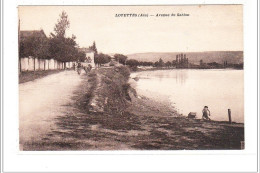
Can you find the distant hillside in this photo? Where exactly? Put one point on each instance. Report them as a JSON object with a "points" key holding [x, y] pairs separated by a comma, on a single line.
{"points": [[194, 57]]}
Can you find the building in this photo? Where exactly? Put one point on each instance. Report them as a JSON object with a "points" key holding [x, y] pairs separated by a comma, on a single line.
{"points": [[35, 33], [28, 41], [89, 59]]}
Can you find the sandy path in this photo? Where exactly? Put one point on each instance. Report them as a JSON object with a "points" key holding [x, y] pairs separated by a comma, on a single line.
{"points": [[41, 101]]}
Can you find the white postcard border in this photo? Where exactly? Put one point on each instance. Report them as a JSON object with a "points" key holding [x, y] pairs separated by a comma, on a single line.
{"points": [[70, 161]]}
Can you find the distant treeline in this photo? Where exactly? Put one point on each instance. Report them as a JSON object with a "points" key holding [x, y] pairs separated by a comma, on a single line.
{"points": [[233, 57], [173, 64]]}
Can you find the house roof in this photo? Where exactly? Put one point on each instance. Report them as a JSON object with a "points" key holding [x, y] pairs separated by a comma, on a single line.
{"points": [[37, 33], [86, 50]]}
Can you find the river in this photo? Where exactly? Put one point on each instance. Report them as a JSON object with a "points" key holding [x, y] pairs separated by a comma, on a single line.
{"points": [[189, 90]]}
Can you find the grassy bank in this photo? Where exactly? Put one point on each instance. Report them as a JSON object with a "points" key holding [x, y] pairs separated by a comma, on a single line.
{"points": [[108, 115], [27, 76]]}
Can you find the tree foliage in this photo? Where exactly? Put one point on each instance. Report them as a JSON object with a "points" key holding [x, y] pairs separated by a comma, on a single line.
{"points": [[34, 45], [101, 59], [62, 25], [63, 48], [81, 56], [159, 63], [168, 64], [57, 46], [121, 58], [132, 62], [145, 63], [93, 47]]}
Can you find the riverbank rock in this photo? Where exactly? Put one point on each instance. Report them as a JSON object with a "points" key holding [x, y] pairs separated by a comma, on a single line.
{"points": [[192, 115]]}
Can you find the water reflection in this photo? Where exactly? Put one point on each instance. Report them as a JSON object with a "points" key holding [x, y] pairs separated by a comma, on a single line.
{"points": [[181, 76]]}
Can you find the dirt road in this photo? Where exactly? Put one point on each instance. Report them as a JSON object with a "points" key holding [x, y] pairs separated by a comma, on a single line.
{"points": [[43, 100]]}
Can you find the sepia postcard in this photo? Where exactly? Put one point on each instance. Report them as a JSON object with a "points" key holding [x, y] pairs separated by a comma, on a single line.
{"points": [[131, 78], [129, 86]]}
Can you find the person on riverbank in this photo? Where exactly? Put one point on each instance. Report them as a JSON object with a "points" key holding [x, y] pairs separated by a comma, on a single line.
{"points": [[205, 113]]}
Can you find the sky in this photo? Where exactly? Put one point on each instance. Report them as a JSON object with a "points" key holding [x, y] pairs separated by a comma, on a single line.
{"points": [[207, 28]]}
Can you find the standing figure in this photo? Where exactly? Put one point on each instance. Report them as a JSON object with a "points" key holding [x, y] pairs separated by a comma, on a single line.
{"points": [[79, 68], [205, 113], [74, 66]]}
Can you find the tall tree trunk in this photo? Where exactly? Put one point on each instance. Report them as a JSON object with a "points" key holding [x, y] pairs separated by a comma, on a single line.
{"points": [[20, 65], [28, 63], [39, 64], [33, 64]]}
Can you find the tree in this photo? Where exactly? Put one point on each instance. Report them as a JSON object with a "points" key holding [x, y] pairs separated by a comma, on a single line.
{"points": [[102, 59], [168, 64], [62, 25], [161, 63], [96, 57], [81, 56], [120, 58], [34, 45], [174, 63], [145, 63], [156, 64], [93, 47], [132, 62], [63, 48]]}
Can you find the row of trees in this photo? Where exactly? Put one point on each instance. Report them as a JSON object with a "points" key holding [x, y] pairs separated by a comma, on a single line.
{"points": [[100, 58], [56, 46], [133, 63], [65, 49], [35, 46], [122, 59], [160, 63], [168, 64]]}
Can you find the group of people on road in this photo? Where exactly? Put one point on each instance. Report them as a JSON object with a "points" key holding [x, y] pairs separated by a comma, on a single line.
{"points": [[78, 67]]}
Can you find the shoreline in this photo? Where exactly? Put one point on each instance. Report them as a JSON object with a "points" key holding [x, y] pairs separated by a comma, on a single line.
{"points": [[167, 102], [143, 76]]}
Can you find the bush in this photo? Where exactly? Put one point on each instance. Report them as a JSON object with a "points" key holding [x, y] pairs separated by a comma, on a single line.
{"points": [[111, 64], [134, 68], [123, 71]]}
